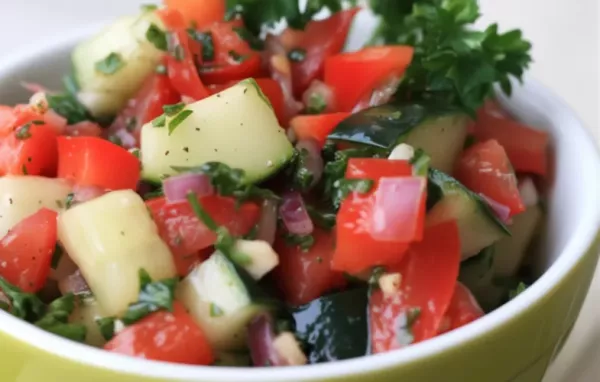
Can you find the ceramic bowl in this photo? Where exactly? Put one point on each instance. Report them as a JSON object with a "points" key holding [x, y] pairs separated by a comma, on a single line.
{"points": [[516, 342]]}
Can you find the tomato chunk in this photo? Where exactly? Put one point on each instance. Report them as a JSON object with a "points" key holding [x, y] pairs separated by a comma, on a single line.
{"points": [[527, 148], [485, 168], [366, 68], [270, 88], [356, 248], [303, 276], [414, 313], [29, 149], [144, 107], [317, 127], [320, 39], [165, 336], [199, 13], [186, 235], [92, 161], [463, 309], [26, 251]]}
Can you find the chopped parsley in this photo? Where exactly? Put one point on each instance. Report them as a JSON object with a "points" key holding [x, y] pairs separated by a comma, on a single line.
{"points": [[302, 177], [236, 57], [159, 121], [305, 242], [324, 219], [69, 200], [178, 119], [207, 42], [254, 42], [110, 64], [157, 37], [68, 106], [23, 132], [56, 319], [420, 163], [343, 187], [517, 291], [172, 110], [316, 104], [215, 311], [154, 296], [26, 306], [106, 326], [405, 323], [297, 55]]}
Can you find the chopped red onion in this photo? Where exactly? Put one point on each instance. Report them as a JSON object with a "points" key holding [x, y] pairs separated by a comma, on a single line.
{"points": [[321, 92], [55, 120], [65, 267], [177, 187], [267, 225], [34, 87], [381, 94], [261, 335], [501, 211], [127, 139], [74, 283], [294, 214], [83, 194], [313, 161], [84, 129]]}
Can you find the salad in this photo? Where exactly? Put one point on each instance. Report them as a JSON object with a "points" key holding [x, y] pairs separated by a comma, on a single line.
{"points": [[223, 183]]}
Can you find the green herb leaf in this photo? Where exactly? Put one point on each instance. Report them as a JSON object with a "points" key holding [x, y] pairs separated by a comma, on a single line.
{"points": [[57, 317], [343, 187], [178, 119], [324, 219], [56, 256], [236, 57], [254, 42], [201, 213], [69, 200], [405, 322], [149, 7], [420, 162], [106, 325], [23, 132], [26, 306], [207, 42], [154, 296], [159, 121], [110, 64], [172, 110], [157, 37], [215, 311], [305, 242], [517, 291], [302, 177], [316, 104], [69, 107]]}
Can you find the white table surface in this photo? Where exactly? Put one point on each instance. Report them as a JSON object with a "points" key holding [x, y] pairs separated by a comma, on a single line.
{"points": [[565, 38]]}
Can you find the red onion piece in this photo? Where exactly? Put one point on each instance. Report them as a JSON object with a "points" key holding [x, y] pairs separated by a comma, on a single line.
{"points": [[321, 91], [177, 187], [380, 95], [55, 120], [501, 211], [34, 87], [83, 194], [313, 161], [74, 283], [267, 225], [398, 204], [127, 139], [294, 214], [65, 267], [261, 335], [84, 129]]}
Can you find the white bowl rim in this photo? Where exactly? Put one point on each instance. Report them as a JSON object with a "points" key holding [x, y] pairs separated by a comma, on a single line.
{"points": [[584, 237]]}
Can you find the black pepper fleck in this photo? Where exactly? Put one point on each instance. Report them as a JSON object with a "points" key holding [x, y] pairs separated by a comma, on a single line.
{"points": [[197, 129], [186, 149], [245, 90], [122, 233], [10, 200], [166, 152]]}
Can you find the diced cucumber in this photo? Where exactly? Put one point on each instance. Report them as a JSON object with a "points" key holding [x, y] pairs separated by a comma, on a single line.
{"points": [[335, 326], [106, 94], [439, 131], [259, 257], [478, 225], [22, 196], [223, 299], [510, 251], [86, 312], [477, 274], [111, 238], [237, 127]]}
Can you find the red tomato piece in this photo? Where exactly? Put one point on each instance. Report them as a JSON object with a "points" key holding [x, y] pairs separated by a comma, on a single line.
{"points": [[92, 161], [199, 13], [463, 310], [234, 59], [145, 106], [319, 40], [165, 336], [485, 168], [186, 235], [415, 312], [29, 149], [303, 276], [317, 127], [181, 64], [527, 148], [270, 88], [356, 249], [366, 68], [26, 251]]}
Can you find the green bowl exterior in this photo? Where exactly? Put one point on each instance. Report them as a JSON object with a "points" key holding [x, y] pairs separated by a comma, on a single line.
{"points": [[519, 350]]}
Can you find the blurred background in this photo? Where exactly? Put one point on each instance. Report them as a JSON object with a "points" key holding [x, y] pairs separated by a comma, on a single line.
{"points": [[566, 53]]}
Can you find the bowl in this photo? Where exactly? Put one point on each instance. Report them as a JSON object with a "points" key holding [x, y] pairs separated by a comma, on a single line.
{"points": [[516, 342]]}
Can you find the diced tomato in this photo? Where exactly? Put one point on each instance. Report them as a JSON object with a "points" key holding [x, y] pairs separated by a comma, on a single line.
{"points": [[366, 68], [429, 274], [186, 235], [319, 40], [26, 251], [29, 149], [181, 60], [527, 148], [356, 248], [234, 59], [92, 161], [199, 13], [145, 106], [485, 168], [165, 336], [317, 127], [303, 276], [463, 309], [6, 118], [272, 91]]}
